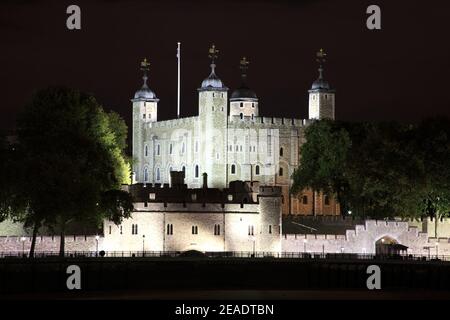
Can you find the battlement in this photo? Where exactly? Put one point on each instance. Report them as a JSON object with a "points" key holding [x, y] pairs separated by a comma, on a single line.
{"points": [[269, 191], [173, 123], [252, 208], [270, 121]]}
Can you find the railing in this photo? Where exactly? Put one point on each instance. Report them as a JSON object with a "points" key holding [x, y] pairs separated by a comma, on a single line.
{"points": [[224, 254]]}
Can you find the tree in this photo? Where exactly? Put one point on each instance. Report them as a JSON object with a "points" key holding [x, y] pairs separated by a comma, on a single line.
{"points": [[323, 160], [73, 158], [378, 169]]}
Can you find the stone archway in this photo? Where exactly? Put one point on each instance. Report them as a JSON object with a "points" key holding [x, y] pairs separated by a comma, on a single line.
{"points": [[387, 245]]}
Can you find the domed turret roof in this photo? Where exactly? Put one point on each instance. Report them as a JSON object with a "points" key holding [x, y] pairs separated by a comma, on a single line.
{"points": [[145, 93], [212, 81], [320, 83], [243, 92]]}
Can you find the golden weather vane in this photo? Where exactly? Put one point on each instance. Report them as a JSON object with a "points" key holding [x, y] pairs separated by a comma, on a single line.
{"points": [[145, 65], [213, 52], [244, 64], [320, 56]]}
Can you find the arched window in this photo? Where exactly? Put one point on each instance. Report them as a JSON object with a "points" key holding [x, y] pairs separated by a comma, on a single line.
{"points": [[281, 151], [145, 175], [257, 170], [326, 200], [158, 149], [184, 170], [146, 151], [241, 115], [305, 199], [242, 104], [233, 169], [280, 172], [196, 171], [158, 174]]}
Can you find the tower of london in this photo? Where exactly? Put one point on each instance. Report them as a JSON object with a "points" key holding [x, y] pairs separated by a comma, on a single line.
{"points": [[229, 140]]}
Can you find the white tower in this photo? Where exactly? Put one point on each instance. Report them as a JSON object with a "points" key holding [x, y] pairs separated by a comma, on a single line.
{"points": [[145, 109], [243, 101], [321, 96], [213, 97]]}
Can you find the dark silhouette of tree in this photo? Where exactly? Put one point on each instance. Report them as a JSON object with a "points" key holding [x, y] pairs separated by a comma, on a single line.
{"points": [[73, 161]]}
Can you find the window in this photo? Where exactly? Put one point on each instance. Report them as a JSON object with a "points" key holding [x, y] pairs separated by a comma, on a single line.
{"points": [[170, 148], [305, 199], [233, 169], [184, 170], [196, 146], [120, 229], [170, 229], [241, 115], [254, 149], [270, 228], [253, 105], [281, 152], [145, 174], [253, 116], [134, 229], [183, 148], [146, 151], [158, 149], [231, 147], [257, 170], [194, 229], [212, 108], [143, 116], [109, 229], [240, 148], [237, 148], [196, 171], [217, 229], [326, 200], [280, 172], [242, 105], [251, 230], [158, 174]]}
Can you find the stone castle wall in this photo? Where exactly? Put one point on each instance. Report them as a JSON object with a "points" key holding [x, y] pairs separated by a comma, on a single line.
{"points": [[362, 239]]}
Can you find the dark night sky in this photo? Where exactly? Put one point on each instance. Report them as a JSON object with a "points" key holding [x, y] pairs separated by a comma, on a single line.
{"points": [[398, 73]]}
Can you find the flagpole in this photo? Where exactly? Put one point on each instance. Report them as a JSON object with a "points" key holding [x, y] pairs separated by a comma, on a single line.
{"points": [[178, 88]]}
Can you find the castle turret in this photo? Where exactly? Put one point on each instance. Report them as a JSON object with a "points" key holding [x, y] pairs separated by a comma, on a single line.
{"points": [[270, 203], [321, 96], [243, 101], [213, 119], [145, 108]]}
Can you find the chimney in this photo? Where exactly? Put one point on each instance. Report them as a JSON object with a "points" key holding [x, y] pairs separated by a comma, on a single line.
{"points": [[205, 180], [177, 179]]}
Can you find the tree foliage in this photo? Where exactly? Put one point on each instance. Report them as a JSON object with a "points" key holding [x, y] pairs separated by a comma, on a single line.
{"points": [[73, 155], [379, 169]]}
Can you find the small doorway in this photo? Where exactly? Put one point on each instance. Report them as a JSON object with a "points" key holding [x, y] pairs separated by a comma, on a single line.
{"points": [[388, 246]]}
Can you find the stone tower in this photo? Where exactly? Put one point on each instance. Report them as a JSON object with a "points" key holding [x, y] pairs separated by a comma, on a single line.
{"points": [[269, 235], [213, 97], [321, 96], [243, 101], [145, 110]]}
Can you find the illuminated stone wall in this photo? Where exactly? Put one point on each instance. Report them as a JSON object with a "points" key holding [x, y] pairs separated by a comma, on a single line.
{"points": [[363, 238]]}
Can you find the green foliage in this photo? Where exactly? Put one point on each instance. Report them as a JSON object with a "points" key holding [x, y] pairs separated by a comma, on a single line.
{"points": [[72, 156], [379, 170]]}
